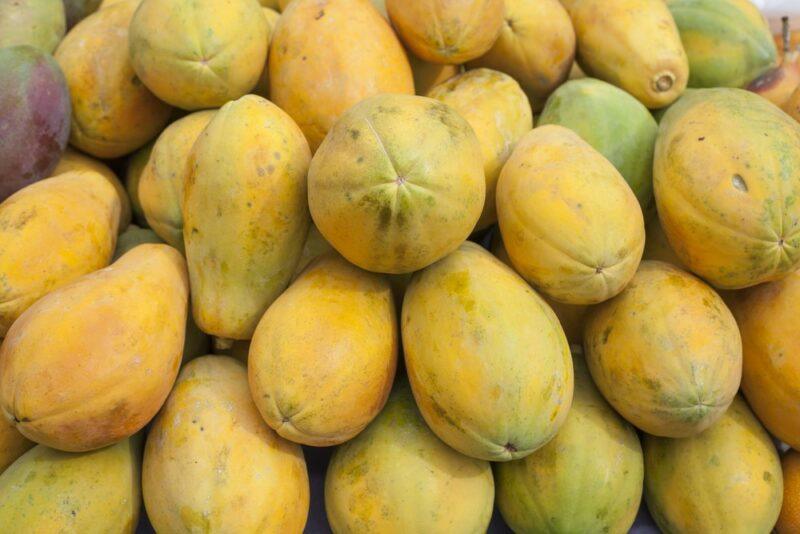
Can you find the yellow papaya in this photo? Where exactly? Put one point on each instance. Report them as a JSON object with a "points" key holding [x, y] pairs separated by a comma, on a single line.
{"points": [[92, 362], [789, 518], [12, 444], [212, 465]]}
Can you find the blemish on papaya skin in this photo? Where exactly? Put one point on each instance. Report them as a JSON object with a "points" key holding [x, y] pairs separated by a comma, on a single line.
{"points": [[739, 183], [767, 476], [320, 14]]}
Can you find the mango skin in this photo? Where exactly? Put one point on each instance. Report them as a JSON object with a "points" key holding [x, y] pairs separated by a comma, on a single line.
{"points": [[666, 353], [51, 233], [47, 490], [499, 113], [245, 214], [113, 113], [34, 114], [463, 342], [12, 444], [126, 371], [211, 464], [319, 66], [614, 123], [536, 47], [397, 476], [161, 182], [588, 478], [726, 479], [570, 223], [37, 23], [726, 185], [728, 42], [197, 55], [633, 44], [323, 357], [133, 173], [398, 183]]}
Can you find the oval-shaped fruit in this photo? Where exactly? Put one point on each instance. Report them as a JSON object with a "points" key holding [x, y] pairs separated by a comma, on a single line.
{"points": [[725, 479], [12, 443], [245, 214], [133, 173], [37, 23], [34, 117], [588, 478], [499, 113], [536, 47], [614, 123], [633, 44], [133, 236], [211, 463], [570, 223], [327, 56], [398, 183], [126, 323], [323, 357], [397, 476], [47, 490], [51, 233], [789, 518], [161, 182], [727, 184], [428, 75], [489, 364], [197, 55], [447, 31], [728, 42], [665, 353]]}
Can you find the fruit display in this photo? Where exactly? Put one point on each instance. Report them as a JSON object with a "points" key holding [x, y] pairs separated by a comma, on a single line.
{"points": [[399, 266]]}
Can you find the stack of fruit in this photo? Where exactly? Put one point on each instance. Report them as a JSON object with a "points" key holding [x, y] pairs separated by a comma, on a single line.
{"points": [[338, 227]]}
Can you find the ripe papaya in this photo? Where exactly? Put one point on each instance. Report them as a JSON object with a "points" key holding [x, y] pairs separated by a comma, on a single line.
{"points": [[792, 105], [92, 362], [12, 444], [725, 479], [789, 518]]}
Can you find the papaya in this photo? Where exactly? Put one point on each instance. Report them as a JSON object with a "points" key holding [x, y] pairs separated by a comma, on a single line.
{"points": [[398, 183], [113, 113], [666, 352], [656, 245], [447, 31], [161, 182], [499, 113], [37, 23], [314, 246], [12, 444], [768, 321], [133, 173], [588, 478], [51, 233], [126, 323], [489, 364], [614, 123], [728, 42], [789, 518], [792, 105], [133, 236], [397, 476], [633, 44], [725, 479], [245, 214], [536, 47], [570, 223], [262, 86], [212, 465], [428, 75], [323, 357], [327, 56], [726, 187]]}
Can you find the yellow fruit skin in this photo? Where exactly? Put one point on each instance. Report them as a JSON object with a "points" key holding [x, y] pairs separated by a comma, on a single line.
{"points": [[536, 47], [726, 479], [161, 183], [212, 465], [328, 55], [12, 444], [245, 214], [428, 75], [113, 113], [665, 353], [127, 324], [47, 490], [725, 180], [51, 233], [792, 105], [450, 32], [197, 55], [323, 357], [489, 364], [570, 223], [499, 112], [633, 44], [789, 518], [397, 184], [398, 477], [769, 324], [588, 478]]}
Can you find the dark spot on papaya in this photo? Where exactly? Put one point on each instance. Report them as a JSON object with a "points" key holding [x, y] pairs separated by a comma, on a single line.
{"points": [[360, 159], [195, 231], [739, 183], [72, 512], [194, 421], [510, 447], [260, 171], [320, 14], [270, 169], [354, 134], [701, 138], [249, 204], [285, 419], [767, 476], [202, 429], [510, 24], [599, 270], [606, 333], [303, 58], [654, 385], [277, 155], [385, 217]]}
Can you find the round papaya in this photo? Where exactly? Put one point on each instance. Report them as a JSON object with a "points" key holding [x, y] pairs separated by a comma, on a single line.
{"points": [[789, 518]]}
